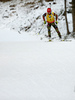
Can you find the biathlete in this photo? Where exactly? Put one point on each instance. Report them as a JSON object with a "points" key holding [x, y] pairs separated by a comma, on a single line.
{"points": [[51, 21]]}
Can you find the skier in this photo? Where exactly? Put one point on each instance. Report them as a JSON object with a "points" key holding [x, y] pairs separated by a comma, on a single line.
{"points": [[51, 21]]}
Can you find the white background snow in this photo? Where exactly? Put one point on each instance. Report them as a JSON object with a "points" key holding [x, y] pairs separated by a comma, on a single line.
{"points": [[31, 68]]}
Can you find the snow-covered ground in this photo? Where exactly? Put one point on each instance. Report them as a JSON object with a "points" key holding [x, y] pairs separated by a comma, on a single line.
{"points": [[30, 68], [37, 70], [20, 17]]}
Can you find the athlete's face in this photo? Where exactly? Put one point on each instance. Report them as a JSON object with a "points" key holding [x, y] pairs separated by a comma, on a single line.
{"points": [[49, 13]]}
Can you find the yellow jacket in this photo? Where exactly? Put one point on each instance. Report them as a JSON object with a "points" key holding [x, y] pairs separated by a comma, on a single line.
{"points": [[50, 18]]}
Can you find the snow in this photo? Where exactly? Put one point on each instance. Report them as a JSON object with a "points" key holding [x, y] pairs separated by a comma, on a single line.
{"points": [[37, 70], [8, 35], [31, 68]]}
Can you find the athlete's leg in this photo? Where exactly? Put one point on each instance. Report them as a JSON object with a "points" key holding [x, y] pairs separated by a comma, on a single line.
{"points": [[49, 29], [57, 30]]}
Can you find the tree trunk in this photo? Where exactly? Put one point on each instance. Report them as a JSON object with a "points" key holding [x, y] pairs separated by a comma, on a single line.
{"points": [[5, 0], [73, 16], [49, 0], [66, 19], [41, 2]]}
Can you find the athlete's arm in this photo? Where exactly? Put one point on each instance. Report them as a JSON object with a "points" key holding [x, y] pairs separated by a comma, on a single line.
{"points": [[44, 16], [56, 16]]}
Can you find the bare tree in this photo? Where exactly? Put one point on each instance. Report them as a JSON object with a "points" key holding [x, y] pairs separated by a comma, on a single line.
{"points": [[5, 0], [73, 16], [41, 2], [66, 18], [48, 0]]}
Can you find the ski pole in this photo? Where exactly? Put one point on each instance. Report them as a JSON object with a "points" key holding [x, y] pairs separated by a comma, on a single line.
{"points": [[40, 29]]}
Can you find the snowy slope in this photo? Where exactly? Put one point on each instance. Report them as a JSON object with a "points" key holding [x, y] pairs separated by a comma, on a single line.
{"points": [[8, 35], [37, 70], [30, 68], [20, 17]]}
